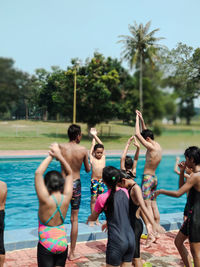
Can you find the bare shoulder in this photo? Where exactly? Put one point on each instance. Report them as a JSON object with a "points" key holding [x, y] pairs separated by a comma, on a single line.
{"points": [[3, 186]]}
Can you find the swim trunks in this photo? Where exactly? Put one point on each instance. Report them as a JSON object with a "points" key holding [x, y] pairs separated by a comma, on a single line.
{"points": [[121, 238], [76, 195], [149, 185], [191, 226], [2, 216], [97, 187]]}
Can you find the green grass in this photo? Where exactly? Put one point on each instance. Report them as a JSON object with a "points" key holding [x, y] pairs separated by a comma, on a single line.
{"points": [[33, 135]]}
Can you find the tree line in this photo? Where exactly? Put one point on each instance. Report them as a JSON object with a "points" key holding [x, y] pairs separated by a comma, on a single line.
{"points": [[164, 83]]}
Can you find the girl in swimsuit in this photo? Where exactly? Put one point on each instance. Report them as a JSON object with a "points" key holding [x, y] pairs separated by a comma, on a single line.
{"points": [[136, 205], [115, 204], [191, 226], [54, 194]]}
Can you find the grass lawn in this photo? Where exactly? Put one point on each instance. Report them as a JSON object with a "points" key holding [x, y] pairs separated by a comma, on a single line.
{"points": [[34, 135]]}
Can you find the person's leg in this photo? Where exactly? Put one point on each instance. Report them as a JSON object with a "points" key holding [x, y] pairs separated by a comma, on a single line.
{"points": [[195, 250], [92, 204], [155, 211], [137, 262], [73, 234], [108, 265], [44, 257], [2, 259], [179, 243], [126, 264]]}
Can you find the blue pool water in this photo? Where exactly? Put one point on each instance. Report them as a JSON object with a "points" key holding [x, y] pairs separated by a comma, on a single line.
{"points": [[22, 203]]}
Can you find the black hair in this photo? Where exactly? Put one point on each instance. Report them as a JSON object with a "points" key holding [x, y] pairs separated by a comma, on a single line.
{"points": [[124, 174], [193, 152], [128, 162], [54, 181], [147, 133], [98, 146], [74, 131], [111, 177]]}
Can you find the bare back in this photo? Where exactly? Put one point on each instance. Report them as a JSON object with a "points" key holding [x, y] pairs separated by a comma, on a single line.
{"points": [[75, 155], [3, 194], [153, 158]]}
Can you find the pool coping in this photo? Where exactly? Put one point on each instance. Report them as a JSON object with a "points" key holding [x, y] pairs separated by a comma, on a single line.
{"points": [[28, 238]]}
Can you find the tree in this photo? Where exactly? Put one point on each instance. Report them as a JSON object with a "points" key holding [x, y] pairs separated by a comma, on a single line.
{"points": [[182, 68], [138, 47]]}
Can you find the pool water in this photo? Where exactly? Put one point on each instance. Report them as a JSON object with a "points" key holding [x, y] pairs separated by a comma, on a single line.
{"points": [[22, 203]]}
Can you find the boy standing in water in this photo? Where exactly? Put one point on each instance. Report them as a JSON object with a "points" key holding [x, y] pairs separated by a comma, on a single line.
{"points": [[3, 195], [153, 158], [75, 155], [97, 160]]}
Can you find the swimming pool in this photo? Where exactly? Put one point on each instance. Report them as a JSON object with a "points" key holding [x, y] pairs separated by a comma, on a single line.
{"points": [[22, 203]]}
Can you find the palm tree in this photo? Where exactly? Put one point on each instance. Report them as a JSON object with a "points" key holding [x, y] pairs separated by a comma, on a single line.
{"points": [[138, 47]]}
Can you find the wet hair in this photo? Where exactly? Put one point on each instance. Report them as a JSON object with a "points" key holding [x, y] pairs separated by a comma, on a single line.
{"points": [[74, 131], [54, 181], [193, 152], [128, 162], [147, 133], [98, 146], [111, 177]]}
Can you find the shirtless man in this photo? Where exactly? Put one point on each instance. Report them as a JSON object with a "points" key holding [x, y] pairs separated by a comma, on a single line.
{"points": [[153, 158], [3, 194], [75, 155], [97, 160]]}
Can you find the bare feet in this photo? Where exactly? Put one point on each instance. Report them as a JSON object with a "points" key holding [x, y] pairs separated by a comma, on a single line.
{"points": [[150, 239], [73, 256]]}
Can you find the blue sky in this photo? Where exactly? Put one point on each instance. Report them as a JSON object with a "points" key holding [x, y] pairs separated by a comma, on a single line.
{"points": [[45, 33]]}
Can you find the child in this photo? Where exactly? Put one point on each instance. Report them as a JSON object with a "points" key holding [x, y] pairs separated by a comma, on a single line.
{"points": [[115, 204], [136, 204], [190, 227], [127, 163], [97, 160], [54, 194], [149, 180]]}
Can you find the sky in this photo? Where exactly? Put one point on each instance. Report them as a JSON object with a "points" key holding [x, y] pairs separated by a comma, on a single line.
{"points": [[45, 33]]}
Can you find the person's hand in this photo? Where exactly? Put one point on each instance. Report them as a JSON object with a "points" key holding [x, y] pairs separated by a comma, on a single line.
{"points": [[139, 114], [104, 227], [182, 166], [55, 151], [93, 131], [157, 193], [130, 140], [177, 159], [136, 142], [188, 170]]}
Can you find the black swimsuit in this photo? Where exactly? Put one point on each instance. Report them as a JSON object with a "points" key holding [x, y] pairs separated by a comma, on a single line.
{"points": [[191, 227], [2, 216], [136, 224], [121, 240]]}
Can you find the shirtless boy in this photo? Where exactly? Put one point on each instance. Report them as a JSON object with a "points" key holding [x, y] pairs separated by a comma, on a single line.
{"points": [[75, 155], [97, 160], [3, 194], [153, 158]]}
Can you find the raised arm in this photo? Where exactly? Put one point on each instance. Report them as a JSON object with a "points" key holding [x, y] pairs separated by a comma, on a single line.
{"points": [[123, 157], [136, 157], [141, 120], [40, 187], [146, 144], [92, 149], [68, 187], [93, 132]]}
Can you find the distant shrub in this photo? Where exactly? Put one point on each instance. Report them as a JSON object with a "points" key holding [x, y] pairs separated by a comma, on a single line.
{"points": [[157, 129]]}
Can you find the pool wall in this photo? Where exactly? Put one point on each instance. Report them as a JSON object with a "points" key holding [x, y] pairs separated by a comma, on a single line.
{"points": [[28, 238]]}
